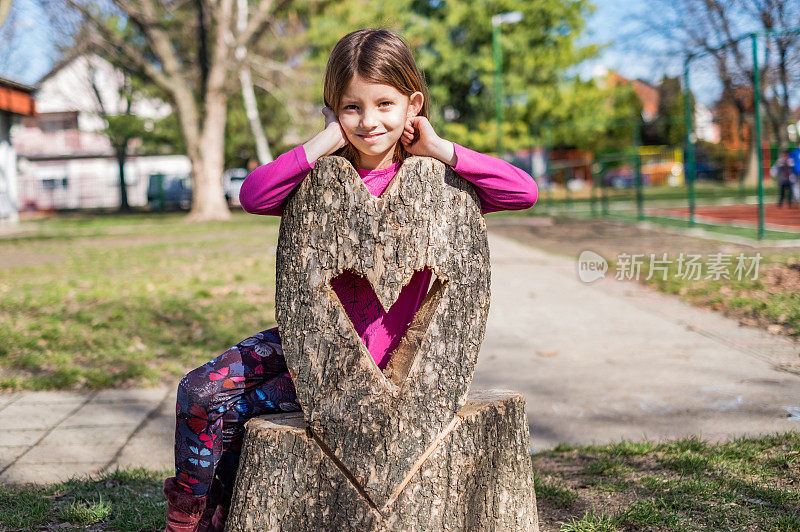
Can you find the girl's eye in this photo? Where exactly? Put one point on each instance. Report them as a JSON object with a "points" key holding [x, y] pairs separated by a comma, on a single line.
{"points": [[356, 107]]}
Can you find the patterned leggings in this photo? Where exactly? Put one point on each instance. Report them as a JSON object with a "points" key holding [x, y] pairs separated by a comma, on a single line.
{"points": [[214, 401]]}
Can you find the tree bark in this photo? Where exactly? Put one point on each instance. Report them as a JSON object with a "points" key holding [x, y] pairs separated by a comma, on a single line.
{"points": [[478, 477]]}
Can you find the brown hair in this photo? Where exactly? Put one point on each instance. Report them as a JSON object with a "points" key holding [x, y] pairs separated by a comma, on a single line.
{"points": [[378, 56]]}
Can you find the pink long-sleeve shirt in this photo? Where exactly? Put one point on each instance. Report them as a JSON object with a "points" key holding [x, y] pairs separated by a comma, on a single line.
{"points": [[499, 185]]}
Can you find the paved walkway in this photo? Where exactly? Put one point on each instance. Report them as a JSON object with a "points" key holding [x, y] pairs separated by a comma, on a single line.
{"points": [[597, 362]]}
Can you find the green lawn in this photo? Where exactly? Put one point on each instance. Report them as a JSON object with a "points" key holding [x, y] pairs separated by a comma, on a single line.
{"points": [[621, 205], [110, 301], [684, 485]]}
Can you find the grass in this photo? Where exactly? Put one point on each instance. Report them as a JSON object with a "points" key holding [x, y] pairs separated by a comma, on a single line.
{"points": [[124, 500], [770, 300], [687, 484], [119, 301], [681, 485], [621, 205]]}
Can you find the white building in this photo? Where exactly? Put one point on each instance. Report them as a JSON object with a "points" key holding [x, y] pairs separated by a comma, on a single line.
{"points": [[65, 161], [15, 102]]}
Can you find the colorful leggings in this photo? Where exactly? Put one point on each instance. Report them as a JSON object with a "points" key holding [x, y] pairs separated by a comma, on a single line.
{"points": [[214, 401]]}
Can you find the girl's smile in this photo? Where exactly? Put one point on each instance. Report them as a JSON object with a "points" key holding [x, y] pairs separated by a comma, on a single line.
{"points": [[371, 137]]}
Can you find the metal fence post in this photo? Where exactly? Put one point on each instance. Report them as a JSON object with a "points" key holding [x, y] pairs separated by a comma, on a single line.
{"points": [[757, 139], [688, 158], [637, 162]]}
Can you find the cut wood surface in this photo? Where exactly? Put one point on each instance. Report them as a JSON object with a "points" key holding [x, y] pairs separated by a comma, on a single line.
{"points": [[478, 476], [378, 424]]}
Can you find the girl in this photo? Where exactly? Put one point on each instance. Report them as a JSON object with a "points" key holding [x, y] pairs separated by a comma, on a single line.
{"points": [[376, 111]]}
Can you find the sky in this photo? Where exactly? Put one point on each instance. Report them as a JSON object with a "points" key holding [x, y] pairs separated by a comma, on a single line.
{"points": [[32, 52], [611, 24]]}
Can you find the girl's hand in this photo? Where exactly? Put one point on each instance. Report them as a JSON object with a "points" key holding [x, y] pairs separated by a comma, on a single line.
{"points": [[327, 141], [336, 134], [419, 138]]}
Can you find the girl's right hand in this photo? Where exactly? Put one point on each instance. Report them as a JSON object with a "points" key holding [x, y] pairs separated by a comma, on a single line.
{"points": [[336, 135], [327, 141]]}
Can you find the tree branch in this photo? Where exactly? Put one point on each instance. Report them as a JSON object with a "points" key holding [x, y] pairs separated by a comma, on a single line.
{"points": [[128, 51]]}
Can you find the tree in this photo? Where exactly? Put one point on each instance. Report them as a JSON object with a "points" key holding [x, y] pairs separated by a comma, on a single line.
{"points": [[671, 124], [122, 126], [452, 42], [189, 51], [718, 28]]}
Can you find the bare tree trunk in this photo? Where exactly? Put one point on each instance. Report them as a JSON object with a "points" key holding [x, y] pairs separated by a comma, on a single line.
{"points": [[380, 430], [208, 198], [751, 173], [251, 109], [152, 48], [248, 94]]}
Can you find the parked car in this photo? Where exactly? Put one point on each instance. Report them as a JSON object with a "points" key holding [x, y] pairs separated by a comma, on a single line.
{"points": [[169, 191], [232, 183]]}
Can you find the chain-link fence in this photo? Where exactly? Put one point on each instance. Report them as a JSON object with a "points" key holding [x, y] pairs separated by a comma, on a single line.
{"points": [[741, 106]]}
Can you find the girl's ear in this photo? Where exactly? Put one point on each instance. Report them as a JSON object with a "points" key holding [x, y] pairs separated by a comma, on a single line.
{"points": [[415, 102]]}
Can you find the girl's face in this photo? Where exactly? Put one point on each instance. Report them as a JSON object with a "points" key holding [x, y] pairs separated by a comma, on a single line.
{"points": [[373, 117]]}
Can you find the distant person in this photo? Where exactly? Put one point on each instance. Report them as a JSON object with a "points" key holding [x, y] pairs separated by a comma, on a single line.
{"points": [[794, 155], [252, 164], [784, 173]]}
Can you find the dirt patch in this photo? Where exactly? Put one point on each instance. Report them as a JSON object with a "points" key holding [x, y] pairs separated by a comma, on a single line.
{"points": [[783, 278], [777, 279]]}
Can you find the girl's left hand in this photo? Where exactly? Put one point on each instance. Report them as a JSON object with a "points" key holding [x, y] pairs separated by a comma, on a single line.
{"points": [[419, 138]]}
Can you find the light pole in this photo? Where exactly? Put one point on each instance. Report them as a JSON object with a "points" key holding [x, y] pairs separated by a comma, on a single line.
{"points": [[509, 17]]}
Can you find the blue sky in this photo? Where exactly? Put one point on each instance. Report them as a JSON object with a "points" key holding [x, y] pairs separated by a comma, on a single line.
{"points": [[612, 24], [33, 53]]}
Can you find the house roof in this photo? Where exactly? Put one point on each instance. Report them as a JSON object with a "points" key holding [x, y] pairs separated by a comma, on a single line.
{"points": [[647, 93], [16, 97]]}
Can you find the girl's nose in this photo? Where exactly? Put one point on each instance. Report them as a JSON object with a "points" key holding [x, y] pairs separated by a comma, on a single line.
{"points": [[368, 120]]}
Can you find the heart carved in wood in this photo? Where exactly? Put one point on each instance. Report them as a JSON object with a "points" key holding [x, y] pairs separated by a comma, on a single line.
{"points": [[377, 424]]}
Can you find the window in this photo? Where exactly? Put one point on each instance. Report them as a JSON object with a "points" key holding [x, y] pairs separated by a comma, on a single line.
{"points": [[53, 183]]}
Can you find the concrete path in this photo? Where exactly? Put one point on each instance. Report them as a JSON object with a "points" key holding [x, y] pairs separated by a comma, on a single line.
{"points": [[610, 360], [597, 362], [50, 436]]}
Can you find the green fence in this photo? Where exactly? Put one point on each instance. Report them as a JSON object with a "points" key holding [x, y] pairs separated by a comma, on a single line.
{"points": [[741, 109]]}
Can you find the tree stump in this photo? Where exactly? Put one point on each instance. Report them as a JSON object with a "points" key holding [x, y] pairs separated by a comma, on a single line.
{"points": [[403, 448]]}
